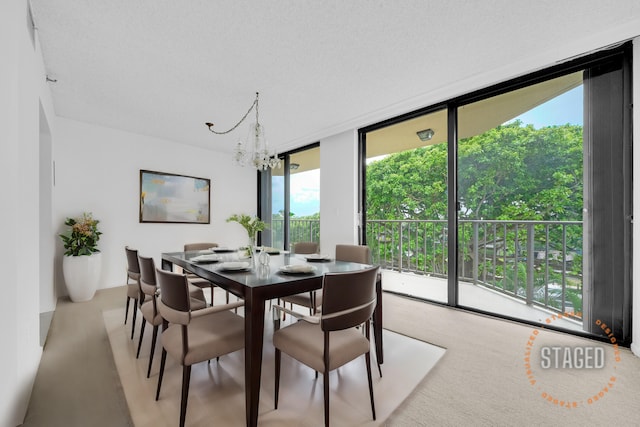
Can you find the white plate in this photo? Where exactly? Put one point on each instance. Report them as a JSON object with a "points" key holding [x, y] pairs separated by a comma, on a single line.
{"points": [[317, 257], [298, 269], [205, 258], [234, 265]]}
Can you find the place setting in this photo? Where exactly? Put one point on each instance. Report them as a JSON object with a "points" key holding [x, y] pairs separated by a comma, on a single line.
{"points": [[297, 269], [317, 258], [235, 266], [205, 258]]}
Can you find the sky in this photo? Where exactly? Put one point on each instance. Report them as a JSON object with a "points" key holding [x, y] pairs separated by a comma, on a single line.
{"points": [[305, 193], [305, 186]]}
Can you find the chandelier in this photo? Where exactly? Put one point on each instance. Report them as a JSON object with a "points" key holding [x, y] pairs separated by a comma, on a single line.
{"points": [[254, 150]]}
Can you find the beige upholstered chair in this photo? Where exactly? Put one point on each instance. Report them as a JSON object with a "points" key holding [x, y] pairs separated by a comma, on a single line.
{"points": [[196, 280], [306, 248], [193, 336], [351, 253], [149, 308], [331, 340], [133, 289]]}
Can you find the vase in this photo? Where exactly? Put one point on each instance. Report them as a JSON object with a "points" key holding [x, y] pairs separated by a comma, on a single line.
{"points": [[81, 275], [252, 250]]}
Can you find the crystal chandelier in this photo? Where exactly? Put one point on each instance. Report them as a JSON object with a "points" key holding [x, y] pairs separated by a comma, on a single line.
{"points": [[254, 150]]}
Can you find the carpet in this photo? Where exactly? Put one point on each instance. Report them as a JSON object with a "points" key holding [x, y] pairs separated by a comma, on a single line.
{"points": [[216, 394]]}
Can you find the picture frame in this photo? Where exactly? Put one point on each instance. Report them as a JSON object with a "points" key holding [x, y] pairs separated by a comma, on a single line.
{"points": [[172, 198]]}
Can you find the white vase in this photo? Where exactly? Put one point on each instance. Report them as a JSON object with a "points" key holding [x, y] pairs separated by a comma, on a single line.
{"points": [[81, 275]]}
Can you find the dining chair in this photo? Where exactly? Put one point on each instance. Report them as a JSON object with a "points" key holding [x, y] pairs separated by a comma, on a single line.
{"points": [[133, 289], [331, 340], [149, 309], [306, 248], [351, 253], [191, 336], [305, 299], [194, 279], [354, 253]]}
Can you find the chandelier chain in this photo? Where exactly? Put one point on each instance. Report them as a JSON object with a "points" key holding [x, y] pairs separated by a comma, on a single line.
{"points": [[255, 104]]}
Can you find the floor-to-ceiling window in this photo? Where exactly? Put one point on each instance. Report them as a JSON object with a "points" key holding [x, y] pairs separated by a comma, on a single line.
{"points": [[291, 198], [406, 203], [521, 205], [520, 191]]}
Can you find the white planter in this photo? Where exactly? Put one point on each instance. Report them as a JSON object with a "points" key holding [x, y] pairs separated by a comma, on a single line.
{"points": [[81, 275]]}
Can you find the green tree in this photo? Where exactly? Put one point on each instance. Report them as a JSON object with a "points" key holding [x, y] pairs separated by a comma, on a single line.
{"points": [[512, 172]]}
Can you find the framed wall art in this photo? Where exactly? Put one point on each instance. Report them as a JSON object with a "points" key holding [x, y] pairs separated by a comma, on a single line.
{"points": [[167, 197]]}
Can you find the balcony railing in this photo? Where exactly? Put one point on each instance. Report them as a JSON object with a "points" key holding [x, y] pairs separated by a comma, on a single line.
{"points": [[300, 230], [538, 262]]}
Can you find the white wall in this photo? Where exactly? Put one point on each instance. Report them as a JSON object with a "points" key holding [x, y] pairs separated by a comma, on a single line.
{"points": [[97, 170], [21, 77], [338, 191]]}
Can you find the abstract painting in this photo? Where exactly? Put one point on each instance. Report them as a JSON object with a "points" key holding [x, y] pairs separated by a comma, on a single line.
{"points": [[167, 197]]}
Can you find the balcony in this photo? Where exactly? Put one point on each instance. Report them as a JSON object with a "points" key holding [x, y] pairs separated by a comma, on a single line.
{"points": [[530, 270]]}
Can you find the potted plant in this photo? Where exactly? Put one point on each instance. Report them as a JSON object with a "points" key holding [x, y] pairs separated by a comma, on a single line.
{"points": [[253, 225], [82, 258]]}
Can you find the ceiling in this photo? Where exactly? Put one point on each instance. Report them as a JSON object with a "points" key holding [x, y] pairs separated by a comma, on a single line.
{"points": [[165, 67]]}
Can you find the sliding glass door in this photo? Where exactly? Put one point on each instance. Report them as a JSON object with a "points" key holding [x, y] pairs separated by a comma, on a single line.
{"points": [[291, 198], [518, 204], [520, 192], [406, 204]]}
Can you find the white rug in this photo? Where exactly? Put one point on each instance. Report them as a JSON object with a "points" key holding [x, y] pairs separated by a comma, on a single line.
{"points": [[216, 394]]}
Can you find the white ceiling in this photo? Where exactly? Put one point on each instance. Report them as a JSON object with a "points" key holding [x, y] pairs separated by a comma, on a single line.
{"points": [[165, 67]]}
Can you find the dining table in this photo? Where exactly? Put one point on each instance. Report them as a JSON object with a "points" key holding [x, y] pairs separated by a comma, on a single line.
{"points": [[256, 283]]}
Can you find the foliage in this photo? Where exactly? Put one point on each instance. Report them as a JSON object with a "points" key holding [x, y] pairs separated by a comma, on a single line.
{"points": [[509, 172], [512, 172], [83, 236], [252, 224]]}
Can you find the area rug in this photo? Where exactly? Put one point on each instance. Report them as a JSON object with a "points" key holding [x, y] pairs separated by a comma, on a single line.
{"points": [[216, 394]]}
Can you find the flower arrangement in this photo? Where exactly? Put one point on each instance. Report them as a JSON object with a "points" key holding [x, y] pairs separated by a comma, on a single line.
{"points": [[82, 238], [251, 224]]}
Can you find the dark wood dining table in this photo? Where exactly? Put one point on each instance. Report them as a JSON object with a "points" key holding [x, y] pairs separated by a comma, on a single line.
{"points": [[258, 285]]}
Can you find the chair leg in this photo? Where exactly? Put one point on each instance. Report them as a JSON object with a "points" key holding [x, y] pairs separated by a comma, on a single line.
{"points": [[144, 322], [126, 311], [163, 360], [326, 396], [278, 356], [135, 312], [186, 376], [367, 358], [211, 287], [153, 348]]}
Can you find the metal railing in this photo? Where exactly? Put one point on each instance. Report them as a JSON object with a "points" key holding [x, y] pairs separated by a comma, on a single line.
{"points": [[300, 230], [538, 262]]}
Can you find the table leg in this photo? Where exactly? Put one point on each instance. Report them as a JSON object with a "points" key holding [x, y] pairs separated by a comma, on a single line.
{"points": [[254, 334]]}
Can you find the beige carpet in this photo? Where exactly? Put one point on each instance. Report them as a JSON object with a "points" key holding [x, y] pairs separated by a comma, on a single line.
{"points": [[216, 394], [482, 380]]}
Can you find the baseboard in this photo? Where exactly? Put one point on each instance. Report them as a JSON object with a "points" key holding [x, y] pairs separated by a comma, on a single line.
{"points": [[635, 348], [45, 323]]}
